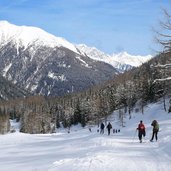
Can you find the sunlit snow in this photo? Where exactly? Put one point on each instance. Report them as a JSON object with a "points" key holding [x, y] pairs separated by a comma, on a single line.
{"points": [[82, 150], [83, 62], [61, 77], [25, 35]]}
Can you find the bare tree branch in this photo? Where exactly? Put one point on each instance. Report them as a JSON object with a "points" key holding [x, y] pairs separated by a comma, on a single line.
{"points": [[164, 37]]}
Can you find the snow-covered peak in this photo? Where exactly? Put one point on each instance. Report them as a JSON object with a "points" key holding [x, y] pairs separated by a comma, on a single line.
{"points": [[133, 60], [25, 35], [116, 60], [92, 52]]}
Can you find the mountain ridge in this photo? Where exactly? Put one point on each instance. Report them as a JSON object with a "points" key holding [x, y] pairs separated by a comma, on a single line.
{"points": [[122, 61], [25, 35], [45, 69]]}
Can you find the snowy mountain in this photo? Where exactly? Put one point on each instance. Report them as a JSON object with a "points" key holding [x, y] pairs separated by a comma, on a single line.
{"points": [[24, 36], [122, 61], [44, 64], [125, 58]]}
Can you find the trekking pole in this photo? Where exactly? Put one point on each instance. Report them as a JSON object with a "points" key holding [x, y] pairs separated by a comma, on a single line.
{"points": [[134, 135]]}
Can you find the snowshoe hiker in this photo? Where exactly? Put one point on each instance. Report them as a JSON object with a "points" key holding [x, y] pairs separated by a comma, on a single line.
{"points": [[155, 130], [109, 127], [102, 128], [141, 130]]}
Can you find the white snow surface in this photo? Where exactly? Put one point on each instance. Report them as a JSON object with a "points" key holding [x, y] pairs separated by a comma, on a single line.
{"points": [[82, 150], [26, 35]]}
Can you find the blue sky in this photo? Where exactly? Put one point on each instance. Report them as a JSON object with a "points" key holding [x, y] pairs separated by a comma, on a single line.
{"points": [[109, 25]]}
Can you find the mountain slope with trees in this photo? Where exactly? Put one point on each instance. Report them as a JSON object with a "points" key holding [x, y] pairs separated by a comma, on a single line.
{"points": [[142, 85], [8, 91]]}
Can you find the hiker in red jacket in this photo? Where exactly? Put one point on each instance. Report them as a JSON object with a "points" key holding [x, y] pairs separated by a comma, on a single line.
{"points": [[141, 131]]}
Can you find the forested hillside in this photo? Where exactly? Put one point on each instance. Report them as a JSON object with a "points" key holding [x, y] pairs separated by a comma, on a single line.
{"points": [[140, 85]]}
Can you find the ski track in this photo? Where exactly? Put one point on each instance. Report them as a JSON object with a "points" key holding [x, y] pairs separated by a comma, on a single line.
{"points": [[115, 153], [75, 152], [161, 158], [86, 155]]}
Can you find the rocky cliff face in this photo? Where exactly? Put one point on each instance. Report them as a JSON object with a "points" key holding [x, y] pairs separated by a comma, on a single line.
{"points": [[52, 71], [10, 91]]}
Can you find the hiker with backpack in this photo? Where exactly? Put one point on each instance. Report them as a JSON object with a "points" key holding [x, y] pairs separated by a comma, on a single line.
{"points": [[155, 130], [141, 130]]}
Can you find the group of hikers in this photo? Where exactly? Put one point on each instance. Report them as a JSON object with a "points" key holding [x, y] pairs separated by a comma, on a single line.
{"points": [[140, 128], [109, 127], [142, 132]]}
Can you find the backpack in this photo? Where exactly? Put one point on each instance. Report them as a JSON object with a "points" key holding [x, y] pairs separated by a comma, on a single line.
{"points": [[156, 127], [141, 127]]}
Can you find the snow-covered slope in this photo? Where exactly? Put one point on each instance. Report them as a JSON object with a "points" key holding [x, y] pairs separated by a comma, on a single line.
{"points": [[92, 52], [26, 35], [122, 61], [91, 151]]}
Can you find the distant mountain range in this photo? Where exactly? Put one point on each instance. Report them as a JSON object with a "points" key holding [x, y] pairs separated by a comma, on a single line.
{"points": [[122, 61], [44, 64]]}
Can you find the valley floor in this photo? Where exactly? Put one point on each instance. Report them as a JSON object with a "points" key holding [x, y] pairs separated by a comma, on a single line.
{"points": [[81, 150]]}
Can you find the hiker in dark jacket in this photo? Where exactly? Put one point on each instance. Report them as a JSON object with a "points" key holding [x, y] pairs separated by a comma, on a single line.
{"points": [[141, 131], [102, 128], [109, 127], [155, 130]]}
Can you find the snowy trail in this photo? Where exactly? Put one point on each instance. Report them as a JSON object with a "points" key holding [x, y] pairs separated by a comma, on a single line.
{"points": [[82, 150], [117, 153]]}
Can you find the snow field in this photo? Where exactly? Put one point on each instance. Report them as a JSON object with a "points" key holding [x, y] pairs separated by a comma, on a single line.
{"points": [[90, 151]]}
